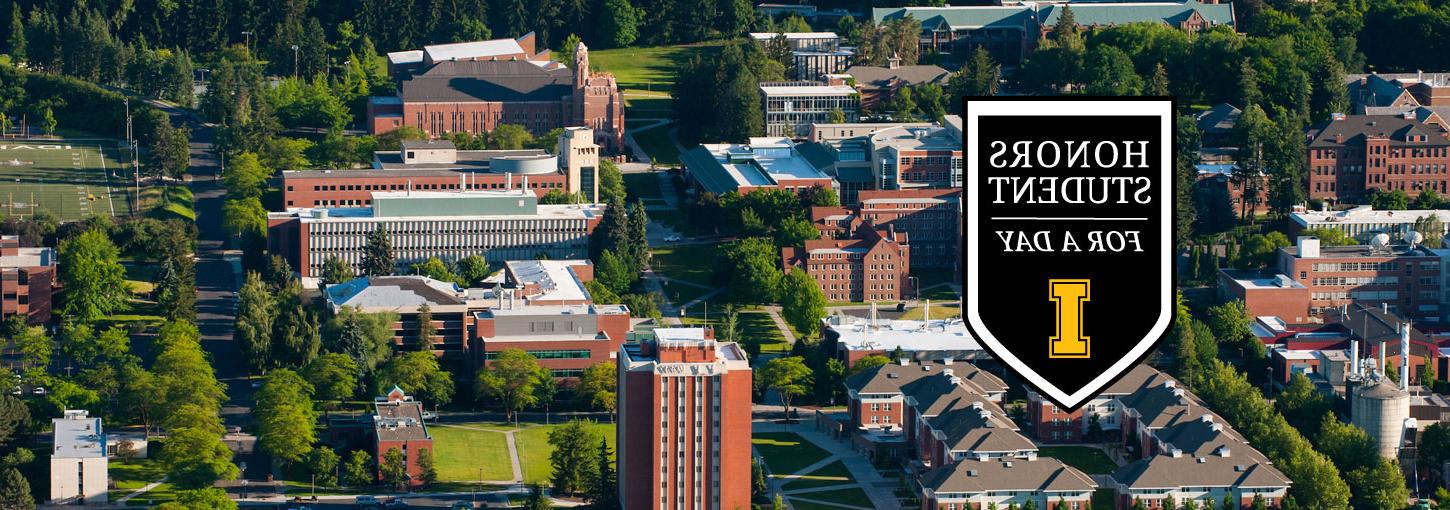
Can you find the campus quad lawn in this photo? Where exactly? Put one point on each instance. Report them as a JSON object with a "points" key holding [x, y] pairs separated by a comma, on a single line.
{"points": [[679, 293], [1089, 460], [832, 474], [752, 324], [851, 496], [642, 186], [656, 142], [71, 183], [534, 447], [786, 452], [459, 453], [693, 263], [650, 68], [130, 476]]}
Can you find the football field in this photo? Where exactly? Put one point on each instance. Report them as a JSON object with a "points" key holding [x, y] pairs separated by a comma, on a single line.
{"points": [[69, 178]]}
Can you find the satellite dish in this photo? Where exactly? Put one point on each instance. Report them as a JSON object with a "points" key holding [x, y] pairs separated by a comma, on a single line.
{"points": [[1380, 240], [1414, 238]]}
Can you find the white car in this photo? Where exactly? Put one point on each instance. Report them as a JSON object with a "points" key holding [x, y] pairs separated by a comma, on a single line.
{"points": [[672, 239]]}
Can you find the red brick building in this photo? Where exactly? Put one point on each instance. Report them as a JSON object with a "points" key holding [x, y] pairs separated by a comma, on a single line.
{"points": [[1353, 154], [684, 422], [873, 265], [398, 424], [1266, 294], [931, 217], [27, 276], [1406, 279], [475, 87], [565, 339], [438, 166]]}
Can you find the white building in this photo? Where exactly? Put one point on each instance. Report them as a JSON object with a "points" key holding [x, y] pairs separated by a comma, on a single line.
{"points": [[1363, 222], [78, 465], [791, 107], [503, 224]]}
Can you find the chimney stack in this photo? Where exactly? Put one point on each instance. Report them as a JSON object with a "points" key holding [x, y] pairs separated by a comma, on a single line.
{"points": [[1404, 356]]}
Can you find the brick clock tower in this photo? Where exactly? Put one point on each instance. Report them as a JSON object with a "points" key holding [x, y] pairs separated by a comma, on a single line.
{"points": [[598, 103]]}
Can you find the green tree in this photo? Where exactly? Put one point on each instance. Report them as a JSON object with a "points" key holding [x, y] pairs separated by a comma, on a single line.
{"points": [[1330, 236], [613, 272], [1253, 134], [426, 333], [802, 302], [1230, 322], [511, 378], [572, 463], [196, 458], [537, 500], [471, 270], [597, 386], [15, 40], [603, 491], [287, 425], [1432, 229], [335, 271], [429, 471], [788, 376], [256, 310], [433, 268], [244, 176], [322, 463], [357, 471], [47, 121], [417, 373], [94, 280], [755, 275], [15, 491], [176, 288], [365, 337], [333, 376], [244, 217], [378, 254], [296, 338], [868, 363], [393, 469], [510, 137], [35, 348], [1158, 83], [618, 23]]}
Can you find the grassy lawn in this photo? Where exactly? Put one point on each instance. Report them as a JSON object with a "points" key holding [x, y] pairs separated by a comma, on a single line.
{"points": [[937, 312], [693, 263], [647, 106], [534, 449], [641, 186], [933, 276], [786, 452], [656, 142], [852, 496], [133, 475], [680, 293], [461, 453], [650, 68], [834, 473], [753, 325], [940, 293], [1090, 460]]}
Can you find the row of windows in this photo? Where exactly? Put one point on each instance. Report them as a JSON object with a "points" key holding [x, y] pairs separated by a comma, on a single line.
{"points": [[1336, 267], [1357, 280], [549, 354], [425, 186]]}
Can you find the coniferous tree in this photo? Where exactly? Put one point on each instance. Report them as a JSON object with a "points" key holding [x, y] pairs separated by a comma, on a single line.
{"points": [[603, 492], [253, 328], [638, 244], [15, 39], [378, 254], [426, 332]]}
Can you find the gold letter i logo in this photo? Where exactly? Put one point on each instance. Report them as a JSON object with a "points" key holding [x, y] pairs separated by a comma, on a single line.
{"points": [[1069, 342]]}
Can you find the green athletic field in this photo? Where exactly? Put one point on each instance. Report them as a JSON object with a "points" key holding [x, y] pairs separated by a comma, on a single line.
{"points": [[69, 178]]}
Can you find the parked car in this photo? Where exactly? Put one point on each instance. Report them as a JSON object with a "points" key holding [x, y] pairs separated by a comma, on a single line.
{"points": [[461, 505], [367, 502], [672, 239], [395, 503]]}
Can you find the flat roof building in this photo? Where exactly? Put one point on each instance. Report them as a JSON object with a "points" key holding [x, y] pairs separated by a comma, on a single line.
{"points": [[791, 107], [684, 422], [857, 337], [78, 465], [27, 278], [1404, 278], [1363, 222], [764, 162], [449, 225]]}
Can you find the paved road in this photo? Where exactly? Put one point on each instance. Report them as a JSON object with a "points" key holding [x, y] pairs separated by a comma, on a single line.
{"points": [[216, 283]]}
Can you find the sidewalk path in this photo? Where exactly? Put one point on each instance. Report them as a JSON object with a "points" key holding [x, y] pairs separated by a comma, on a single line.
{"points": [[508, 436], [141, 491], [871, 482]]}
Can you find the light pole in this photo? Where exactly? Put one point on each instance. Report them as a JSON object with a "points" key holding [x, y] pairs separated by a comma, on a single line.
{"points": [[247, 40], [295, 61]]}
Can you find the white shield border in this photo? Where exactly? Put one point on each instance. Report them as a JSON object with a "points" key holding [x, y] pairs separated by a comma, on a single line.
{"points": [[995, 107]]}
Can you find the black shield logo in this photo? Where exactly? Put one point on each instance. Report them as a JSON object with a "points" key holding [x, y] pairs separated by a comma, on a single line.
{"points": [[1068, 236]]}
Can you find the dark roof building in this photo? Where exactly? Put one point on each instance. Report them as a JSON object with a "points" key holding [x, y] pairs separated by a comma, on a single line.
{"points": [[1353, 154], [398, 424], [477, 86]]}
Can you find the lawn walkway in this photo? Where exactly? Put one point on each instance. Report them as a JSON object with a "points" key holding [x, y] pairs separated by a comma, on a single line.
{"points": [[513, 452]]}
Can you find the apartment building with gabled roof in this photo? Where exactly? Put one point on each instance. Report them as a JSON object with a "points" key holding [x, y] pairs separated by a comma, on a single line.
{"points": [[1006, 483]]}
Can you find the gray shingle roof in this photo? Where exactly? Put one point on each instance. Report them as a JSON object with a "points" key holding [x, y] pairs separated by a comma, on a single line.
{"points": [[486, 80], [1218, 120], [980, 430], [1026, 16], [891, 377], [1041, 474], [1167, 472], [1353, 128], [874, 77]]}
